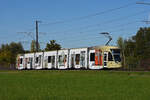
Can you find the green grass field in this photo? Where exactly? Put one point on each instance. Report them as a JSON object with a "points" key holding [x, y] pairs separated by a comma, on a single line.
{"points": [[74, 85]]}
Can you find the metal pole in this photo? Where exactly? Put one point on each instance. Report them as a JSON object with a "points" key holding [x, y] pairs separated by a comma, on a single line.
{"points": [[37, 44]]}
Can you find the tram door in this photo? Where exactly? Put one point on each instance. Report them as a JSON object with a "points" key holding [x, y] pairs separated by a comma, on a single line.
{"points": [[53, 61], [31, 62], [72, 60], [82, 59], [105, 59], [26, 61], [46, 61], [98, 57]]}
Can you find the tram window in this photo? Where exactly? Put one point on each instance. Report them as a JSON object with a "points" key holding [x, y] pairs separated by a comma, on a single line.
{"points": [[110, 58], [82, 52], [105, 64], [77, 59], [20, 60], [92, 56], [49, 59], [105, 57], [28, 60], [53, 59], [60, 58], [37, 60], [31, 59], [40, 59], [117, 58], [65, 59], [115, 51]]}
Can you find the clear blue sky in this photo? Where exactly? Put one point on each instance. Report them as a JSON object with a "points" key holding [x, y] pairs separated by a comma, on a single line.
{"points": [[20, 15]]}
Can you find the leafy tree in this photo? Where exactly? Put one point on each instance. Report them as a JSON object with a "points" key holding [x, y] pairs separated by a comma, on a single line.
{"points": [[130, 56], [142, 39], [137, 49], [52, 46], [5, 58], [16, 47], [8, 53], [121, 45]]}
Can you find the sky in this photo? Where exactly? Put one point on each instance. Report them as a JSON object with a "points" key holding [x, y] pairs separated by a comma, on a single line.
{"points": [[72, 23]]}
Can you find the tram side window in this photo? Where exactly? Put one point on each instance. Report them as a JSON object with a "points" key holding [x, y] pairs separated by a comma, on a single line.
{"points": [[92, 56], [53, 59], [60, 58], [37, 60], [105, 57], [77, 59], [110, 58], [65, 59], [40, 56], [49, 59], [21, 60]]}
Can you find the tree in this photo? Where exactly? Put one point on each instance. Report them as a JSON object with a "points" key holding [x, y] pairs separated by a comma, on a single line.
{"points": [[33, 46], [9, 52], [130, 56], [137, 49], [52, 46], [5, 58], [15, 48], [142, 39], [142, 48], [121, 45]]}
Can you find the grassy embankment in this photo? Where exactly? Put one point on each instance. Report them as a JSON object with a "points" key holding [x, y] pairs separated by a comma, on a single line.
{"points": [[74, 85]]}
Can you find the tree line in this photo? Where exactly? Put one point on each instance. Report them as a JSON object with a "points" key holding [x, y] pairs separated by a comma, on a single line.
{"points": [[135, 51]]}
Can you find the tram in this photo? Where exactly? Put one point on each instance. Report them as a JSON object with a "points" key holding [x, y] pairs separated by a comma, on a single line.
{"points": [[96, 57]]}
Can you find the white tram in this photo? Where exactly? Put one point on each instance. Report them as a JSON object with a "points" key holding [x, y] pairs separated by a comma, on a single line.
{"points": [[97, 57]]}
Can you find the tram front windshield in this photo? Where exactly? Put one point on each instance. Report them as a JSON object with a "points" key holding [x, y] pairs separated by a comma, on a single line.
{"points": [[116, 54], [117, 58]]}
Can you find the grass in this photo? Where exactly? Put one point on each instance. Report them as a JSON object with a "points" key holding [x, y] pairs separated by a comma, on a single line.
{"points": [[74, 85]]}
